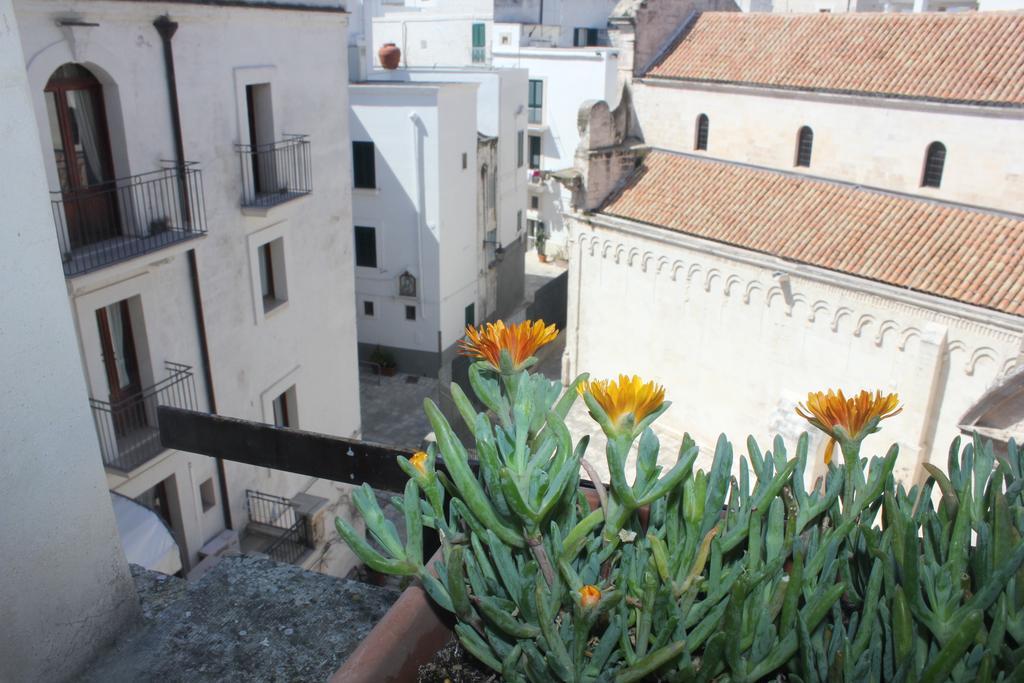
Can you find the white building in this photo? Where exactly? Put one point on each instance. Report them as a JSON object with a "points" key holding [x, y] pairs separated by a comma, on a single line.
{"points": [[818, 210], [438, 208], [206, 246]]}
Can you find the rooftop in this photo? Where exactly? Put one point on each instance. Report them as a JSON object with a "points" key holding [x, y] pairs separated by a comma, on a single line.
{"points": [[938, 248], [968, 57]]}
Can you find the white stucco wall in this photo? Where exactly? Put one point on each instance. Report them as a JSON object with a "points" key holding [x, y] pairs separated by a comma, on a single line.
{"points": [[735, 350], [571, 76], [420, 132], [870, 141], [310, 341], [65, 591]]}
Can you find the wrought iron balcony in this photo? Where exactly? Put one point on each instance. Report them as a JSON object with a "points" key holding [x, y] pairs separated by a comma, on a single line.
{"points": [[479, 55], [123, 218], [278, 518], [276, 172], [127, 427]]}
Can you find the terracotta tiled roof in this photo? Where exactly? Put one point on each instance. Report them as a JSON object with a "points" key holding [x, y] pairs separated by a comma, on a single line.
{"points": [[948, 250], [973, 57]]}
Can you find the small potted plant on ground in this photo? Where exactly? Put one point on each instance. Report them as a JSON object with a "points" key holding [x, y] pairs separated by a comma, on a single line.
{"points": [[384, 361], [541, 241], [733, 573]]}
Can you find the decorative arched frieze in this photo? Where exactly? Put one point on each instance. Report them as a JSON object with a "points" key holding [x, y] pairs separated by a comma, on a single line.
{"points": [[633, 256], [1010, 364], [817, 308], [885, 327], [710, 277], [663, 264], [606, 248], [693, 271], [752, 287], [841, 312], [908, 334], [862, 324], [774, 293], [620, 251], [977, 356], [731, 282], [646, 260]]}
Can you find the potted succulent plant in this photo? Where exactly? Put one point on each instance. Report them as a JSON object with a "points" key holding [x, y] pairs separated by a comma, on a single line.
{"points": [[691, 574], [541, 241]]}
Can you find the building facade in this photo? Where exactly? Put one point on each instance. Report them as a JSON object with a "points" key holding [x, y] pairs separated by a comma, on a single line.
{"points": [[764, 250], [438, 209], [205, 268]]}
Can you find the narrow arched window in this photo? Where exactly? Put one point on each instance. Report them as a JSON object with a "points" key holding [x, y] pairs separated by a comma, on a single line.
{"points": [[934, 160], [701, 141], [804, 143]]}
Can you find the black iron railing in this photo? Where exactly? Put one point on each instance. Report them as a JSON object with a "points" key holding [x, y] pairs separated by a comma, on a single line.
{"points": [[127, 427], [120, 219], [536, 114], [291, 529], [276, 172]]}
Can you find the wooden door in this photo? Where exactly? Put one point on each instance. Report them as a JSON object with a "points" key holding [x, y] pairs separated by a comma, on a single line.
{"points": [[81, 146], [121, 362]]}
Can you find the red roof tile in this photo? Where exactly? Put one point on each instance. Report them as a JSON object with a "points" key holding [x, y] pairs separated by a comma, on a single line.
{"points": [[948, 250], [973, 57]]}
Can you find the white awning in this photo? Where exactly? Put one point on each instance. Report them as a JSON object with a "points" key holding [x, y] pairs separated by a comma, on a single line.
{"points": [[146, 539]]}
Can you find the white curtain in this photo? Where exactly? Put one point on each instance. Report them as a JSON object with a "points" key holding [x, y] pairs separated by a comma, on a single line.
{"points": [[117, 340], [80, 103]]}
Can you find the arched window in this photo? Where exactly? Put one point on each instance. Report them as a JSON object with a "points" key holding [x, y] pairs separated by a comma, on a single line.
{"points": [[934, 160], [804, 143], [701, 141]]}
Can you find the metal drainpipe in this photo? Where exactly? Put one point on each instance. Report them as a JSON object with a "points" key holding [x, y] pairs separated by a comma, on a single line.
{"points": [[167, 28]]}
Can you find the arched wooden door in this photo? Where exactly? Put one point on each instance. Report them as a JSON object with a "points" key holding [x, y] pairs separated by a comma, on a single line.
{"points": [[81, 147]]}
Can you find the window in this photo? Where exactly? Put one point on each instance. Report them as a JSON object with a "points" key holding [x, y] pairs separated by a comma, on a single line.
{"points": [[363, 167], [465, 161], [934, 161], [805, 140], [272, 283], [534, 228], [584, 37], [366, 246], [535, 202], [284, 409], [519, 220], [534, 151], [479, 42], [471, 314], [519, 149], [536, 101], [410, 312], [207, 496], [368, 309], [701, 141]]}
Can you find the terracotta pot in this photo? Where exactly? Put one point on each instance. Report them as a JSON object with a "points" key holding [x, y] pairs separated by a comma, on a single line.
{"points": [[542, 257], [390, 55], [411, 633]]}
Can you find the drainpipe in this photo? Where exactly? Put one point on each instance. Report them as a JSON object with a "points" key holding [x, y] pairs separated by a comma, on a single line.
{"points": [[166, 28]]}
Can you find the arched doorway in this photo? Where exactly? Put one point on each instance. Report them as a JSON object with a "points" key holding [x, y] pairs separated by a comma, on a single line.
{"points": [[81, 148]]}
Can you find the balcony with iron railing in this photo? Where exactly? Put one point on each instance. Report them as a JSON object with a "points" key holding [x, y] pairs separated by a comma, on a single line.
{"points": [[276, 528], [120, 219], [127, 427], [275, 172]]}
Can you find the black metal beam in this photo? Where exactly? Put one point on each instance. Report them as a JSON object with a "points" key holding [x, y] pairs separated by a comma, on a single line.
{"points": [[292, 450]]}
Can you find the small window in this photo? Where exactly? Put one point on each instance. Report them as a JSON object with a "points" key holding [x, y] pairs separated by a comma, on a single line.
{"points": [[465, 161], [535, 202], [535, 151], [272, 282], [410, 312], [284, 409], [519, 220], [701, 141], [261, 137], [520, 155], [584, 37], [535, 228], [536, 102], [805, 140], [368, 309], [471, 314], [366, 246], [207, 496], [934, 161], [364, 171]]}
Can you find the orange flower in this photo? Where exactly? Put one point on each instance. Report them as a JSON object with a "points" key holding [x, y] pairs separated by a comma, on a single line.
{"points": [[854, 415], [521, 341], [419, 461], [590, 595], [627, 395]]}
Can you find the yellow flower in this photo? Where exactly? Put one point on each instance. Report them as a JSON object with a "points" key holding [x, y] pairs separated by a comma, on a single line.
{"points": [[831, 410], [627, 395], [521, 341], [590, 595], [419, 461]]}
